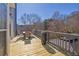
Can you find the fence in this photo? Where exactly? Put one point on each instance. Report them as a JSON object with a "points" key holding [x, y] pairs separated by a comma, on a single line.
{"points": [[66, 41]]}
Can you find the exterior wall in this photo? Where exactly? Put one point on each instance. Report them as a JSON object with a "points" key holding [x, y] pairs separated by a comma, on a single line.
{"points": [[2, 42], [11, 25], [7, 26], [12, 11], [3, 18]]}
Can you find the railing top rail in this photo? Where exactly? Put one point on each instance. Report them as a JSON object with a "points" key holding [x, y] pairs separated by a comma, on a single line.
{"points": [[70, 34], [2, 30]]}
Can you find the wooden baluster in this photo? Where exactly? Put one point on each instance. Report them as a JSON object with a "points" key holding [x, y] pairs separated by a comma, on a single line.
{"points": [[56, 41], [67, 44], [76, 45], [53, 41], [59, 42], [71, 47], [47, 37], [63, 44], [70, 42], [75, 41], [65, 47]]}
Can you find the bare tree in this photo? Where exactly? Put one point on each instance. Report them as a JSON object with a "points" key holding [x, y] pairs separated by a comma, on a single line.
{"points": [[30, 20], [23, 19], [73, 22], [55, 15]]}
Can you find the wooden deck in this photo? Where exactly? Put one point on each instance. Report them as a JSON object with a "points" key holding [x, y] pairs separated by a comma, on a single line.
{"points": [[32, 48]]}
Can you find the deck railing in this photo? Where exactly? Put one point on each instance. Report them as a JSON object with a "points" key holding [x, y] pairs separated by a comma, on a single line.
{"points": [[66, 41]]}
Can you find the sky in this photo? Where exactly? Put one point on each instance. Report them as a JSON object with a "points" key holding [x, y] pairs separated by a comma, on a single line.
{"points": [[45, 10]]}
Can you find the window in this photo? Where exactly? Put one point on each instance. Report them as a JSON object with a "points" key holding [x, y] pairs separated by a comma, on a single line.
{"points": [[3, 16], [3, 20]]}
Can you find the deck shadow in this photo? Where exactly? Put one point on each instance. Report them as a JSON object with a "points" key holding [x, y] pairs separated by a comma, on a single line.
{"points": [[49, 49], [59, 49], [26, 41]]}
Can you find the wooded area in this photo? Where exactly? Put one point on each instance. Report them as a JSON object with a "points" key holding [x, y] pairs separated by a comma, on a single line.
{"points": [[57, 22]]}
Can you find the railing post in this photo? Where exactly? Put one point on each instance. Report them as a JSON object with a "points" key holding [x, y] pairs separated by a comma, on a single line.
{"points": [[45, 33], [44, 38]]}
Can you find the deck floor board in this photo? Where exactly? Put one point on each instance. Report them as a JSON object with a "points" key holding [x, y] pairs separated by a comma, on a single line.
{"points": [[35, 48]]}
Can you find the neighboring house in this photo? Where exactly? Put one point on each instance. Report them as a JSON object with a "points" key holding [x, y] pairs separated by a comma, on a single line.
{"points": [[7, 26]]}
